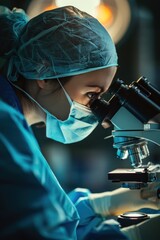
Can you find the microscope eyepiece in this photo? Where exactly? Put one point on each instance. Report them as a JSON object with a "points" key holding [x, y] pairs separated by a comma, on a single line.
{"points": [[104, 111], [100, 108], [133, 97], [114, 88], [148, 89]]}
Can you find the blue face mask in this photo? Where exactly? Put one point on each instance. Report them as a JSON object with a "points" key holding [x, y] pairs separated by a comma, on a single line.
{"points": [[79, 124]]}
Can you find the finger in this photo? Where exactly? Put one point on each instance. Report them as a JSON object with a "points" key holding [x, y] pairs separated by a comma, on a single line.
{"points": [[153, 190], [151, 204], [148, 193]]}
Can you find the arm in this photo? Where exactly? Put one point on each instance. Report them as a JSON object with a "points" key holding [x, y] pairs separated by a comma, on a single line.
{"points": [[33, 205]]}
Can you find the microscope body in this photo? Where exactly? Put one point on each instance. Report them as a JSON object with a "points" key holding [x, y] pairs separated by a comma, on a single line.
{"points": [[134, 111], [131, 138]]}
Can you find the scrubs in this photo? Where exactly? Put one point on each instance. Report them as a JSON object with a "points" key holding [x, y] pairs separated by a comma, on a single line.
{"points": [[33, 204]]}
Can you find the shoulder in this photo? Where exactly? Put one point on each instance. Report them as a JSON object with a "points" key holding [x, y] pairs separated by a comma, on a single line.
{"points": [[9, 112], [12, 115]]}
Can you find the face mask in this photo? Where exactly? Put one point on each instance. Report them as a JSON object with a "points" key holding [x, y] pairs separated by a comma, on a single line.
{"points": [[79, 124]]}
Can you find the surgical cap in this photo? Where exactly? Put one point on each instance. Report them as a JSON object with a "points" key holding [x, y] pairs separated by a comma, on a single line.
{"points": [[59, 43]]}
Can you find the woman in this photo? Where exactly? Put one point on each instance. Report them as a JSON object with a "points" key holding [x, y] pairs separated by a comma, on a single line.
{"points": [[51, 67]]}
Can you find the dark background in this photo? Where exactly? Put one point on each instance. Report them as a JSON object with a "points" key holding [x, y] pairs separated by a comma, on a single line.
{"points": [[86, 164]]}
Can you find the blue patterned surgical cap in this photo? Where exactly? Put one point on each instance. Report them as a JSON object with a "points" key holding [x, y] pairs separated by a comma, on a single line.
{"points": [[59, 43]]}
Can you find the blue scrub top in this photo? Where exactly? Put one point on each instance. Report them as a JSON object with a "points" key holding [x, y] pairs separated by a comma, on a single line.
{"points": [[33, 206], [32, 203]]}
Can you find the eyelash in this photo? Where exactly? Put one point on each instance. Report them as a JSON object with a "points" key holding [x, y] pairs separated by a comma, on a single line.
{"points": [[93, 94]]}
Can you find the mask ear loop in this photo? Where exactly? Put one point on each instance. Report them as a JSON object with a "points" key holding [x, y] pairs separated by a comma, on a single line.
{"points": [[31, 98], [66, 94]]}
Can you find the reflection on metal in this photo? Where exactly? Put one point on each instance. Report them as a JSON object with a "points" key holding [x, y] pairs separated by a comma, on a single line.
{"points": [[115, 15]]}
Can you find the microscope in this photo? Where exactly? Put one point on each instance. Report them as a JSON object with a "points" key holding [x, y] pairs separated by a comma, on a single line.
{"points": [[134, 112]]}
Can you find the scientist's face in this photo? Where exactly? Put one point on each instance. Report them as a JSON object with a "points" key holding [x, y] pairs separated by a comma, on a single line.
{"points": [[81, 88]]}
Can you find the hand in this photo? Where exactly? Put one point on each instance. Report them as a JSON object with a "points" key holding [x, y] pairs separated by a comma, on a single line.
{"points": [[123, 200], [152, 191]]}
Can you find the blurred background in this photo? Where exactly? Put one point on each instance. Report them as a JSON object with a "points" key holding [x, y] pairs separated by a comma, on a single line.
{"points": [[134, 27]]}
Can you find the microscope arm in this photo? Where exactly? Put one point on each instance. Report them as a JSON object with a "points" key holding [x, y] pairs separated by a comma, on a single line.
{"points": [[130, 126]]}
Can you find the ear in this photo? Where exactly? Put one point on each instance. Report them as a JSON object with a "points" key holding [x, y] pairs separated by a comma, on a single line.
{"points": [[42, 83]]}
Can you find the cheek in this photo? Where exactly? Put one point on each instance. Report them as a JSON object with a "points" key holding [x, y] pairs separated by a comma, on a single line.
{"points": [[62, 108], [76, 92], [59, 106], [80, 98]]}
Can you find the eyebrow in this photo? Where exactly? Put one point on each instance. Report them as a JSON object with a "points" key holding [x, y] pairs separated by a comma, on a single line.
{"points": [[97, 86]]}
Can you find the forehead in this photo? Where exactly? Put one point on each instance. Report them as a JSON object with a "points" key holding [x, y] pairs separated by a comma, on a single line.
{"points": [[101, 78]]}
